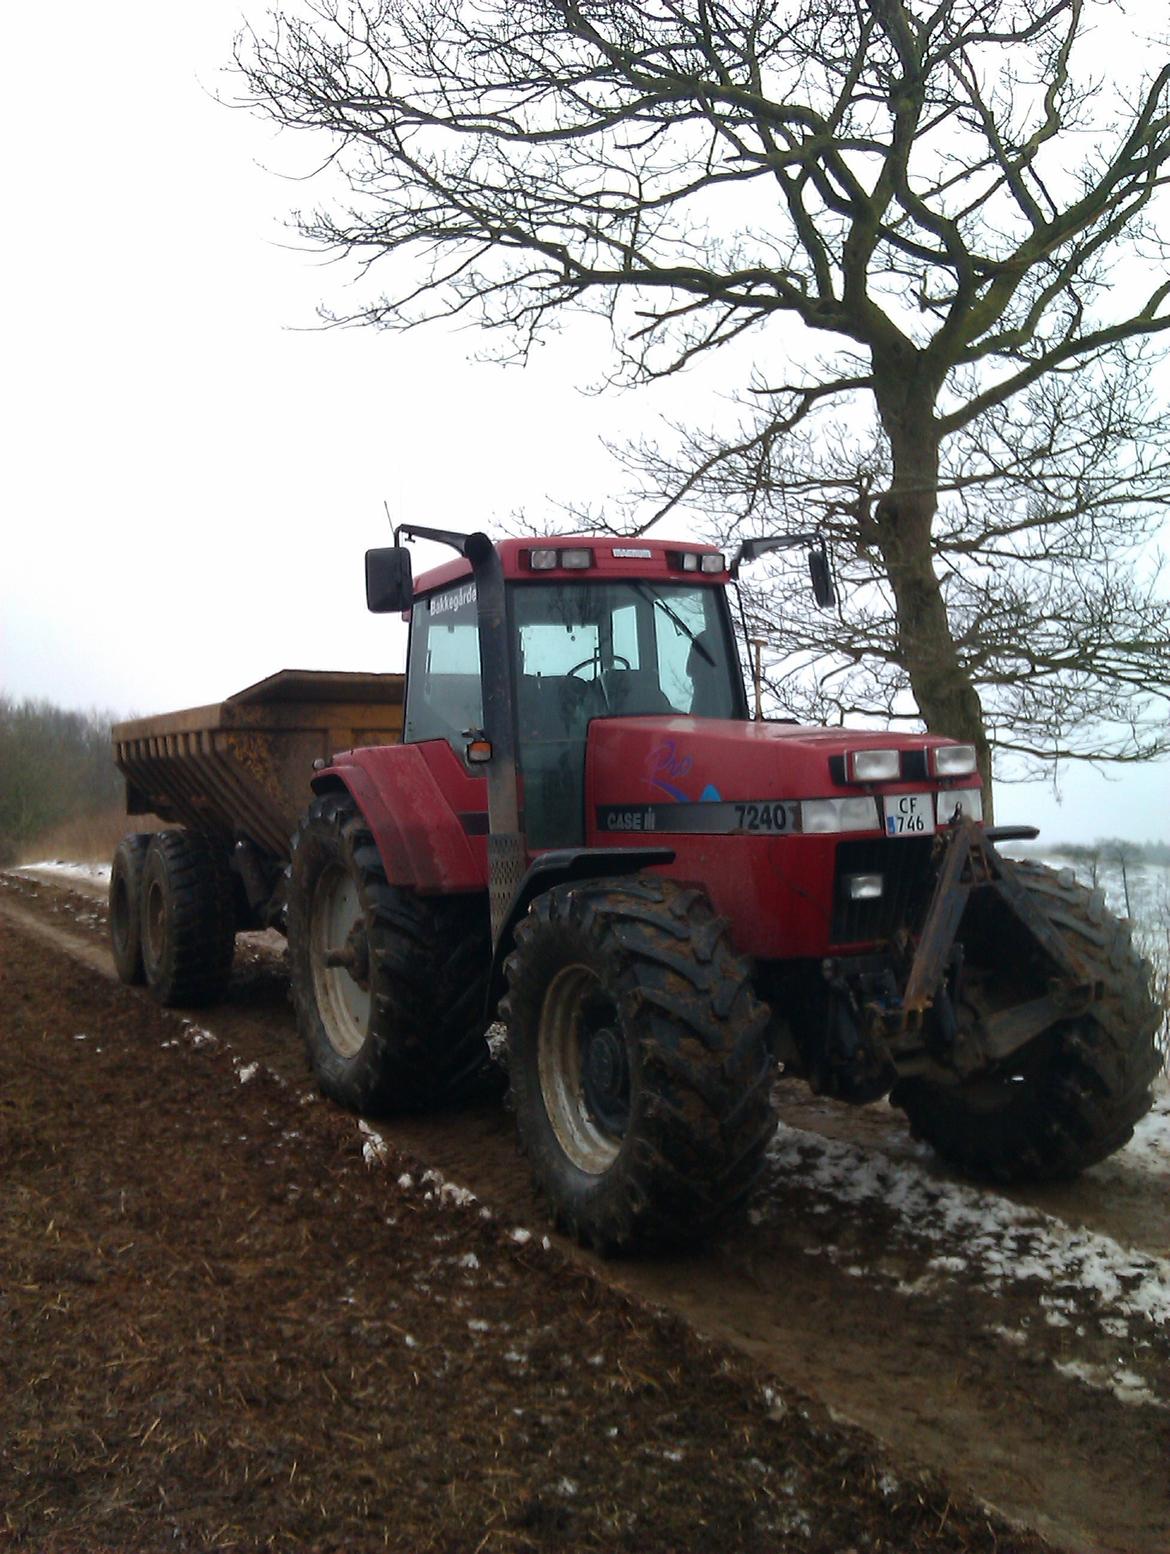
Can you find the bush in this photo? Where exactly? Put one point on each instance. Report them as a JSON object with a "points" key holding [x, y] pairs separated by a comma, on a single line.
{"points": [[55, 766]]}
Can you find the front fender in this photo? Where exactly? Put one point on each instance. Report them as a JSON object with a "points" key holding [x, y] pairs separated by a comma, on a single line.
{"points": [[422, 841], [564, 866]]}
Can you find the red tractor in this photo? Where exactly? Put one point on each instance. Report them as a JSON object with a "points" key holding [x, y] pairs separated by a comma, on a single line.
{"points": [[585, 834]]}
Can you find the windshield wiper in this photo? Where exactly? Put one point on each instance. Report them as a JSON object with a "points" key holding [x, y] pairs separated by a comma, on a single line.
{"points": [[693, 637]]}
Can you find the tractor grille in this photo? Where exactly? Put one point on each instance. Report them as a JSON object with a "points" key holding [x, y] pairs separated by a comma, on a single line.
{"points": [[904, 865]]}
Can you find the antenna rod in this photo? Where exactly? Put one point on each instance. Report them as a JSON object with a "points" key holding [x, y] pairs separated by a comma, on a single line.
{"points": [[758, 676]]}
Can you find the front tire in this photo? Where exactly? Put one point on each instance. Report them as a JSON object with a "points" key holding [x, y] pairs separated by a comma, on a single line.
{"points": [[389, 986], [639, 1067], [188, 919], [1072, 1095]]}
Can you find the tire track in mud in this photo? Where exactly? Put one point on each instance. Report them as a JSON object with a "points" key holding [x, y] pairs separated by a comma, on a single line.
{"points": [[839, 1297]]}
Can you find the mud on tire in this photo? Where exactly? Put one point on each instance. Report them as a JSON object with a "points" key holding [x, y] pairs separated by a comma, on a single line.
{"points": [[126, 906], [400, 1026], [188, 919], [639, 1068], [1070, 1097]]}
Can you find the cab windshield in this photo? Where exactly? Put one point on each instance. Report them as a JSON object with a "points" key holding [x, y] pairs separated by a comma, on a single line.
{"points": [[614, 649], [620, 649]]}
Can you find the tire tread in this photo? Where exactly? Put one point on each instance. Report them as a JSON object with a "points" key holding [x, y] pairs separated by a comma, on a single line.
{"points": [[704, 1118], [1095, 1085]]}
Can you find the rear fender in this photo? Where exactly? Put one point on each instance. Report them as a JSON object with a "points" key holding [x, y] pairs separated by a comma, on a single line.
{"points": [[422, 841]]}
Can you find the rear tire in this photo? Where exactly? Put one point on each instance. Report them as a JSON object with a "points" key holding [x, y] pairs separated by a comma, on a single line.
{"points": [[399, 1025], [188, 919], [126, 906], [1071, 1096], [639, 1067]]}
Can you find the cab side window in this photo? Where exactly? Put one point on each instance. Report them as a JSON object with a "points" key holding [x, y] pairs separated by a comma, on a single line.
{"points": [[443, 693]]}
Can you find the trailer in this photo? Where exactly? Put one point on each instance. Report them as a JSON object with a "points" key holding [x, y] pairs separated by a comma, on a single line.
{"points": [[233, 779]]}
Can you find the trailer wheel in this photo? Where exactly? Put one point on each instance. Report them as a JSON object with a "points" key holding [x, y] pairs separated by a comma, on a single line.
{"points": [[639, 1066], [389, 986], [126, 906], [1073, 1094], [188, 919]]}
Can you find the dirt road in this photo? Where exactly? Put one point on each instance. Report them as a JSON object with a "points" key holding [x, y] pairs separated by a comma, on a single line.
{"points": [[1020, 1347]]}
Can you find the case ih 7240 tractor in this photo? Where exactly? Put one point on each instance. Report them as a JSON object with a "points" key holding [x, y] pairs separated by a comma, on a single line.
{"points": [[583, 833]]}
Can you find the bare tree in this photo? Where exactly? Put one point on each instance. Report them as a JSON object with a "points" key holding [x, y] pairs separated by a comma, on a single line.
{"points": [[1045, 505], [947, 192]]}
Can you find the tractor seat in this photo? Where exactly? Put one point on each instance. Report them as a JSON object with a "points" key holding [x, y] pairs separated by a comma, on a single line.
{"points": [[629, 692]]}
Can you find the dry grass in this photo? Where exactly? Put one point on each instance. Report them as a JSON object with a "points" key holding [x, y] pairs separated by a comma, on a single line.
{"points": [[87, 838]]}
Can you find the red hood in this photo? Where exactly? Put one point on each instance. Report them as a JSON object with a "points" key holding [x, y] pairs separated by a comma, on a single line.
{"points": [[689, 760]]}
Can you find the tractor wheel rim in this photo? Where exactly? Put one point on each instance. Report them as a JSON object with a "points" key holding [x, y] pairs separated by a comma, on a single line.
{"points": [[343, 1003], [584, 1069]]}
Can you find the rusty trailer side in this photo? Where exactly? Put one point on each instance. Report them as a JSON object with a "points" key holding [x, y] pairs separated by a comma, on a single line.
{"points": [[240, 769]]}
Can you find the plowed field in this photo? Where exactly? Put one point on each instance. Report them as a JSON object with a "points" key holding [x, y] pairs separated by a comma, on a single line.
{"points": [[231, 1316]]}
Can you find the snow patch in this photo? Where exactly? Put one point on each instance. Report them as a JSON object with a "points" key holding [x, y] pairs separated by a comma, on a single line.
{"points": [[246, 1072], [373, 1145], [1003, 1243], [197, 1036], [447, 1192], [775, 1404], [68, 871], [1125, 1386]]}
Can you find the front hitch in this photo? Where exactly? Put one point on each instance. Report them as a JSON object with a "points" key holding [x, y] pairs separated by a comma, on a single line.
{"points": [[969, 863]]}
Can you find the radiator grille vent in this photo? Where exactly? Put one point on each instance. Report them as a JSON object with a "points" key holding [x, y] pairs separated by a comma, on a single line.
{"points": [[904, 864]]}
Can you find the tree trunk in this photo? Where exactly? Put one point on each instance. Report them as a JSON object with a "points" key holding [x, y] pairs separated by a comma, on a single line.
{"points": [[942, 687]]}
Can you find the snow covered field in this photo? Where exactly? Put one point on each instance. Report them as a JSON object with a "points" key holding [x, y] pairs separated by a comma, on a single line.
{"points": [[975, 1239]]}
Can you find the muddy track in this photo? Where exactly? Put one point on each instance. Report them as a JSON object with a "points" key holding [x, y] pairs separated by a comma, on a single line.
{"points": [[927, 1312]]}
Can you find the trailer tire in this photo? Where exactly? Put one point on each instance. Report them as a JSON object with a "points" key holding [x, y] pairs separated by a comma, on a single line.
{"points": [[638, 1060], [400, 1026], [125, 912], [188, 919], [1070, 1097]]}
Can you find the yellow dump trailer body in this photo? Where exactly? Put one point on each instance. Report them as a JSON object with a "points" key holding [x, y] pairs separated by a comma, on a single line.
{"points": [[241, 768]]}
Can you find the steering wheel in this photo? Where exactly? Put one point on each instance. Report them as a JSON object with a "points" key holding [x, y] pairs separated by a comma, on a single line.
{"points": [[619, 661]]}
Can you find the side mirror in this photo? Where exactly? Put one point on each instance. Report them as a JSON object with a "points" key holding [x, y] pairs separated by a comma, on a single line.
{"points": [[389, 580], [822, 578]]}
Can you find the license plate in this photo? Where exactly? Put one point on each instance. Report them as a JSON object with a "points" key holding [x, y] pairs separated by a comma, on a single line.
{"points": [[910, 814]]}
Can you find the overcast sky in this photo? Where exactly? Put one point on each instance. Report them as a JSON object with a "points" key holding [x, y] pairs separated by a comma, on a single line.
{"points": [[192, 471]]}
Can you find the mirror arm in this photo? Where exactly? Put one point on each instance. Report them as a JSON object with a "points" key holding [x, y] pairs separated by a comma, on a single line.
{"points": [[473, 546], [749, 550]]}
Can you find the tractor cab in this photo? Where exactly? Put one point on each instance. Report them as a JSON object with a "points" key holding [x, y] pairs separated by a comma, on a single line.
{"points": [[591, 629]]}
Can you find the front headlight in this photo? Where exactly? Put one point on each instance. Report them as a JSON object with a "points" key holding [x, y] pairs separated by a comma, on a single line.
{"points": [[873, 765], [953, 760], [863, 887], [964, 802], [822, 816]]}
